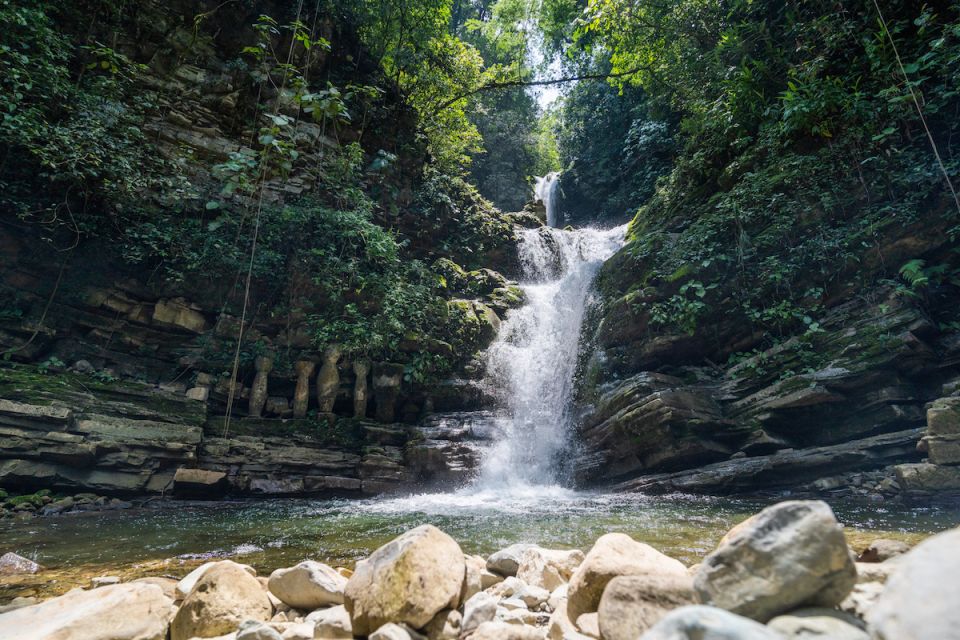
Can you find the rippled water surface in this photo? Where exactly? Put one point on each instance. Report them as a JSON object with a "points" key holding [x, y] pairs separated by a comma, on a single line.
{"points": [[170, 537]]}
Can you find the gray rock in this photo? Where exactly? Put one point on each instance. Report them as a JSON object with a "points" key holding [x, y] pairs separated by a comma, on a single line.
{"points": [[920, 601], [391, 631], [698, 622], [789, 555], [828, 624]]}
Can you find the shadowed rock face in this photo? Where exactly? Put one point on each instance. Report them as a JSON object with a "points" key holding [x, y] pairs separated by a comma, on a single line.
{"points": [[748, 426]]}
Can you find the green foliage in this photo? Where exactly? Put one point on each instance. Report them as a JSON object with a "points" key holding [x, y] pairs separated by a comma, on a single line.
{"points": [[797, 165]]}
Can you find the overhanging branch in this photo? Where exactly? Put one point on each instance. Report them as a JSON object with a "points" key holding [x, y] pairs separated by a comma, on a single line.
{"points": [[538, 83]]}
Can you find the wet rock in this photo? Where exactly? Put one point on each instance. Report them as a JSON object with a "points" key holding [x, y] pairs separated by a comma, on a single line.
{"points": [[309, 585], [789, 555], [103, 581], [133, 611], [506, 562], [920, 598], [808, 624], [225, 596], [614, 554], [882, 550], [188, 582], [698, 622], [632, 604], [331, 624], [924, 477], [548, 568], [12, 564], [408, 580]]}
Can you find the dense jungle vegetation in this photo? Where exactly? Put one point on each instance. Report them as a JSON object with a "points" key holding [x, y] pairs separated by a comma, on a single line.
{"points": [[763, 149]]}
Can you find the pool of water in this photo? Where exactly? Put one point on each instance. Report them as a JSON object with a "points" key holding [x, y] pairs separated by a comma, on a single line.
{"points": [[169, 538]]}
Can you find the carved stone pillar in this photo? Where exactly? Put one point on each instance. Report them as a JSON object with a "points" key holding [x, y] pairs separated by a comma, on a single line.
{"points": [[386, 387], [328, 380], [360, 368], [258, 391], [301, 396]]}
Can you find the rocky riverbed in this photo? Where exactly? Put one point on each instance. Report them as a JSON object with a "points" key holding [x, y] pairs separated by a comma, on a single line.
{"points": [[786, 572]]}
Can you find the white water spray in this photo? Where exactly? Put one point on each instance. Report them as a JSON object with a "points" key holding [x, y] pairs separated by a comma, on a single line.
{"points": [[545, 190], [531, 365]]}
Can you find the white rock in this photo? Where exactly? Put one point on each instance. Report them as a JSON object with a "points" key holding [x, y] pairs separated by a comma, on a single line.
{"points": [[513, 603], [559, 594], [331, 624], [391, 631], [481, 608], [561, 627], [698, 622], [789, 555], [548, 568], [309, 585], [498, 630], [921, 600], [103, 581], [532, 596], [614, 554], [408, 580], [186, 585], [133, 611], [589, 625], [828, 624], [298, 631], [255, 630]]}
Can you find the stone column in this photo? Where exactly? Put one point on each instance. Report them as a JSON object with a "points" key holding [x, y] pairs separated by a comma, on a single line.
{"points": [[258, 391], [328, 380], [301, 396], [360, 368], [386, 387]]}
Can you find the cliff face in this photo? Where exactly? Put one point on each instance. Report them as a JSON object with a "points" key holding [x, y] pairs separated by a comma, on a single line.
{"points": [[122, 307]]}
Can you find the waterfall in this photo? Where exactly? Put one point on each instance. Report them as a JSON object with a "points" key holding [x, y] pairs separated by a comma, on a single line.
{"points": [[531, 365], [545, 190]]}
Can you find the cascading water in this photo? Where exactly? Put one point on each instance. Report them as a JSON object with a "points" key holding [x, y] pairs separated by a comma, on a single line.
{"points": [[545, 190], [531, 365]]}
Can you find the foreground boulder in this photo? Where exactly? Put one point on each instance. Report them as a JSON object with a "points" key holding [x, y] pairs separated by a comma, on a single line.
{"points": [[188, 582], [632, 604], [922, 596], [134, 611], [224, 596], [789, 555], [309, 585], [697, 622], [408, 580], [615, 554]]}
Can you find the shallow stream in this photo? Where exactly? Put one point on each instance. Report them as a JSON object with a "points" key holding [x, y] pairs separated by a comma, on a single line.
{"points": [[169, 538]]}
